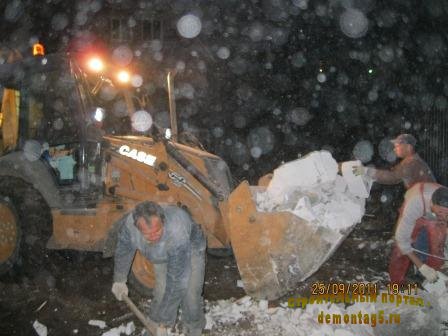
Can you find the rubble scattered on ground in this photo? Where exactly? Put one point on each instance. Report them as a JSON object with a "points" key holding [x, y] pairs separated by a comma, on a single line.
{"points": [[439, 292], [250, 317], [40, 329], [97, 323], [127, 329]]}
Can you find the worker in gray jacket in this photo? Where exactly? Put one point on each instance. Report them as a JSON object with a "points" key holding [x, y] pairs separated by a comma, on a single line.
{"points": [[175, 245]]}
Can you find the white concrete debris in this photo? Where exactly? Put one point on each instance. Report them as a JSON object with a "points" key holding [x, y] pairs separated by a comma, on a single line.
{"points": [[97, 323], [312, 170], [127, 329], [263, 304], [40, 329], [227, 315], [425, 319], [311, 189], [358, 185], [439, 292], [304, 210], [247, 316]]}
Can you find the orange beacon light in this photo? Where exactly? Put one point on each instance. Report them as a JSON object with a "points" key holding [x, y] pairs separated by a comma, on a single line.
{"points": [[38, 49]]}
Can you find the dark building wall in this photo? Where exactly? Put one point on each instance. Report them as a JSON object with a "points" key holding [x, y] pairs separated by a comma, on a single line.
{"points": [[434, 145]]}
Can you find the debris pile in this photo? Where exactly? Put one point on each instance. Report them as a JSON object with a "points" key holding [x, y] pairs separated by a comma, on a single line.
{"points": [[251, 317], [325, 207], [311, 189]]}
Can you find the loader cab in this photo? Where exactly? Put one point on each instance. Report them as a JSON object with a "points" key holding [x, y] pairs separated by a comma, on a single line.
{"points": [[39, 104], [48, 112]]}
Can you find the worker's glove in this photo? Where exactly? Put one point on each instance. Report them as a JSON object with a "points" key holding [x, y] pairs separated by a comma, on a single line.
{"points": [[161, 331], [119, 289], [428, 272], [358, 170]]}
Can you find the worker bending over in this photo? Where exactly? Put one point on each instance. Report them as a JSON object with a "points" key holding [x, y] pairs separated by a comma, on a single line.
{"points": [[175, 245]]}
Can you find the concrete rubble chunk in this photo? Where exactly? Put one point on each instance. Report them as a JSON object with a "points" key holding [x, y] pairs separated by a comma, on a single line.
{"points": [[340, 184], [425, 319], [40, 329], [304, 210], [326, 207], [439, 292], [112, 332], [130, 328], [358, 185], [314, 169], [263, 305], [127, 329], [311, 189], [97, 323]]}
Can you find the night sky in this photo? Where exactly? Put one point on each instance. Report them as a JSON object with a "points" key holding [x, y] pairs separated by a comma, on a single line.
{"points": [[265, 81]]}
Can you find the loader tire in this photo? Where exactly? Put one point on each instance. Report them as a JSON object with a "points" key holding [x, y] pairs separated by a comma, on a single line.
{"points": [[10, 235], [32, 225]]}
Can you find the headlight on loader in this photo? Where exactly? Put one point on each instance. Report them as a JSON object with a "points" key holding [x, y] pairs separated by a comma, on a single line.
{"points": [[95, 64], [123, 77]]}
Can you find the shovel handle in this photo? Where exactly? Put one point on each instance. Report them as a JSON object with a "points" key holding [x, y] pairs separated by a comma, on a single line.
{"points": [[149, 325]]}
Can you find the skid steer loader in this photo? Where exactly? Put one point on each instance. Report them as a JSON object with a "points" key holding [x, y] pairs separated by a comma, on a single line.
{"points": [[71, 166]]}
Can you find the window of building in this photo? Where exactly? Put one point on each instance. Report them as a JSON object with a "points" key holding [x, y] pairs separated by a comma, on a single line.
{"points": [[144, 30], [157, 29], [151, 30], [120, 30]]}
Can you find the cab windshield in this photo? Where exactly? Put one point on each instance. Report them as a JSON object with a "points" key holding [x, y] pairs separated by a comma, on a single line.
{"points": [[50, 108]]}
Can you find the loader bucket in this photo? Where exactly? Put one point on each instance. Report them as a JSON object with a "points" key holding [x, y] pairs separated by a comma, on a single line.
{"points": [[274, 250]]}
